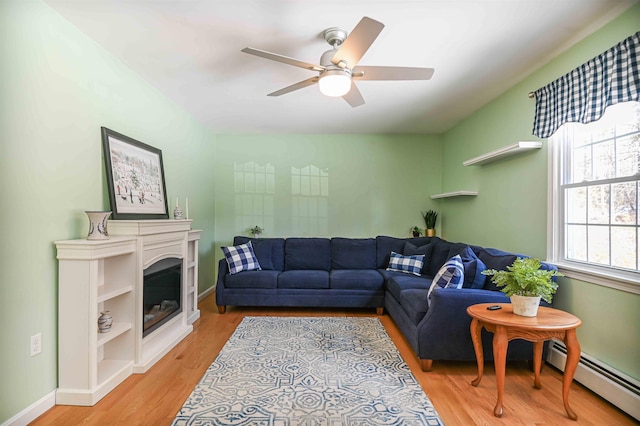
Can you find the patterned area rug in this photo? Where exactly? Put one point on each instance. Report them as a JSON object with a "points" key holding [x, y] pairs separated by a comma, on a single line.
{"points": [[308, 371]]}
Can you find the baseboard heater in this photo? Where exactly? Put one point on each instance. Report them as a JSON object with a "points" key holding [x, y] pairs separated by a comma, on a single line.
{"points": [[611, 384]]}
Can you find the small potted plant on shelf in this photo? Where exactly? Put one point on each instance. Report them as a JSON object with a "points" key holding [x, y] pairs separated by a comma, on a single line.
{"points": [[525, 283], [430, 221], [255, 231], [415, 231]]}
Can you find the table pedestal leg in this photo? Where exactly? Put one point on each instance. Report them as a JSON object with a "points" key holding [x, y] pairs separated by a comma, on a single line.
{"points": [[500, 342], [537, 363], [476, 330], [573, 356]]}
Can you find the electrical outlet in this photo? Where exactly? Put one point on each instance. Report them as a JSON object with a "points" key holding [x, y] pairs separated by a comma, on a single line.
{"points": [[36, 344]]}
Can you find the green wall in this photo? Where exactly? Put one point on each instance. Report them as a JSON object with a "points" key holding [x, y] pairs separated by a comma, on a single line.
{"points": [[57, 88], [510, 211], [377, 184]]}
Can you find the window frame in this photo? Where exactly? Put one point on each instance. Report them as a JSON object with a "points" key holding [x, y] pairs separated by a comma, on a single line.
{"points": [[611, 277]]}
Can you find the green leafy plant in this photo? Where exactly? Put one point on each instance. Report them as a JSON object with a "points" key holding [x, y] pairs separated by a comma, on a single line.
{"points": [[255, 231], [430, 218], [415, 231], [525, 278]]}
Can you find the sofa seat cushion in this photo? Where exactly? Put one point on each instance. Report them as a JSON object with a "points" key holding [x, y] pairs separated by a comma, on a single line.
{"points": [[356, 279], [414, 303], [252, 279], [397, 284], [307, 254], [303, 279], [353, 253]]}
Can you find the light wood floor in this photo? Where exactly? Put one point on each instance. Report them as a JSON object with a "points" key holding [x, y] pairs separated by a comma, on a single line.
{"points": [[154, 398]]}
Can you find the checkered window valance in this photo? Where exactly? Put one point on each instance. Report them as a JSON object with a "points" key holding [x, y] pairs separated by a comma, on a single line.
{"points": [[583, 94]]}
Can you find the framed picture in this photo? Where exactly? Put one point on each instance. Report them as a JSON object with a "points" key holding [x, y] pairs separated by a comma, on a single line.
{"points": [[135, 178]]}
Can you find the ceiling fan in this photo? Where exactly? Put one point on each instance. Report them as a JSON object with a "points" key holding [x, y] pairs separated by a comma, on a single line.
{"points": [[339, 69]]}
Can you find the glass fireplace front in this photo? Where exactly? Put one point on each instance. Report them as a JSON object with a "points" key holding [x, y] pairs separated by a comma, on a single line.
{"points": [[161, 292]]}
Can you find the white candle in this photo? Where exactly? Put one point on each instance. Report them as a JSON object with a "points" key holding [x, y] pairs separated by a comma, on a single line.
{"points": [[186, 206], [177, 205]]}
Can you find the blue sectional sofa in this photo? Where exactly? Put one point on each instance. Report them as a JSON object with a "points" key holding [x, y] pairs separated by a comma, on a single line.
{"points": [[352, 273]]}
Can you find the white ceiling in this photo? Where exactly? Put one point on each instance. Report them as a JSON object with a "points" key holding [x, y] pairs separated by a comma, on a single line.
{"points": [[190, 51]]}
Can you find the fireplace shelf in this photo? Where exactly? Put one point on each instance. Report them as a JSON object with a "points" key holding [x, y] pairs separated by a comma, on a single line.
{"points": [[94, 277], [108, 293], [192, 276], [116, 330]]}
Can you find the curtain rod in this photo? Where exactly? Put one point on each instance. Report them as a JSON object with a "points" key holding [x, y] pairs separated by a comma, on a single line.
{"points": [[532, 95]]}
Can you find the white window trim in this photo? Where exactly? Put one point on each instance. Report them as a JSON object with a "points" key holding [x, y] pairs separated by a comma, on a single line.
{"points": [[607, 277]]}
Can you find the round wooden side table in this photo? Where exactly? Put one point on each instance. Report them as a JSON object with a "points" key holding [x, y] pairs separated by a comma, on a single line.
{"points": [[506, 326]]}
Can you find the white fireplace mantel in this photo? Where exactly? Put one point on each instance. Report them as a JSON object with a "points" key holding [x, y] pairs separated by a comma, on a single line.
{"points": [[100, 275]]}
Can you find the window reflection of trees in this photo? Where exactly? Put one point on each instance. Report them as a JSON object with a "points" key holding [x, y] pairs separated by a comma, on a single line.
{"points": [[310, 200], [602, 188], [254, 188]]}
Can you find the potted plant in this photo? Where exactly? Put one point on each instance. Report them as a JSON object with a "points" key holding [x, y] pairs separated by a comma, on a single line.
{"points": [[525, 283], [415, 231], [430, 222], [255, 231]]}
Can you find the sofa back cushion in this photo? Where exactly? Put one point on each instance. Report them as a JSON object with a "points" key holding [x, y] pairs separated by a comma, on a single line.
{"points": [[353, 253], [385, 245], [499, 260], [439, 256], [269, 251], [307, 254]]}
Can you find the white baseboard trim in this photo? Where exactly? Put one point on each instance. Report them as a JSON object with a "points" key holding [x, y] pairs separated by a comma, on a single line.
{"points": [[206, 293], [33, 411], [614, 386]]}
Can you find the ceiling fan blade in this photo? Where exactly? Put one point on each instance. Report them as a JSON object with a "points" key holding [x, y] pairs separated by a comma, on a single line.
{"points": [[299, 85], [283, 59], [358, 42], [353, 96], [392, 73]]}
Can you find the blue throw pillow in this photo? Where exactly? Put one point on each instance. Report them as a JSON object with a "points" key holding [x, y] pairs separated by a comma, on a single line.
{"points": [[406, 264], [450, 275], [473, 268], [241, 258]]}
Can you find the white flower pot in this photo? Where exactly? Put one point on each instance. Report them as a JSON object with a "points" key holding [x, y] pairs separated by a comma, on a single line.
{"points": [[525, 306]]}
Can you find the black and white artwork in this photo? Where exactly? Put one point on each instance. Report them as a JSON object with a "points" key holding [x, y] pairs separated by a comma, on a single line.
{"points": [[135, 178]]}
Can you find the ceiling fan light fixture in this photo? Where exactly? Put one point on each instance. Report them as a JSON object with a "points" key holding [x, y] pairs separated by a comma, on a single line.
{"points": [[335, 83]]}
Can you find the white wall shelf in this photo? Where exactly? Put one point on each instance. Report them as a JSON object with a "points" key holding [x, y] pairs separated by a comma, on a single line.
{"points": [[506, 151], [455, 194]]}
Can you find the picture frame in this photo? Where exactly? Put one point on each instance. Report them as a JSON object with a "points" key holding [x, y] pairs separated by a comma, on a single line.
{"points": [[135, 178]]}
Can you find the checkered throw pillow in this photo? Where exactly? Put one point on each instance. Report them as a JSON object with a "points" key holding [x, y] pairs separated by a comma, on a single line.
{"points": [[241, 258], [450, 275], [406, 264]]}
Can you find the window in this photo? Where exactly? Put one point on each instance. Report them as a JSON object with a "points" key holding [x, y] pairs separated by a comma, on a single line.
{"points": [[254, 188], [310, 200], [596, 190]]}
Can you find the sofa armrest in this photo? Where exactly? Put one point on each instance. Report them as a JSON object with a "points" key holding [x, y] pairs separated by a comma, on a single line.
{"points": [[444, 333], [223, 270]]}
